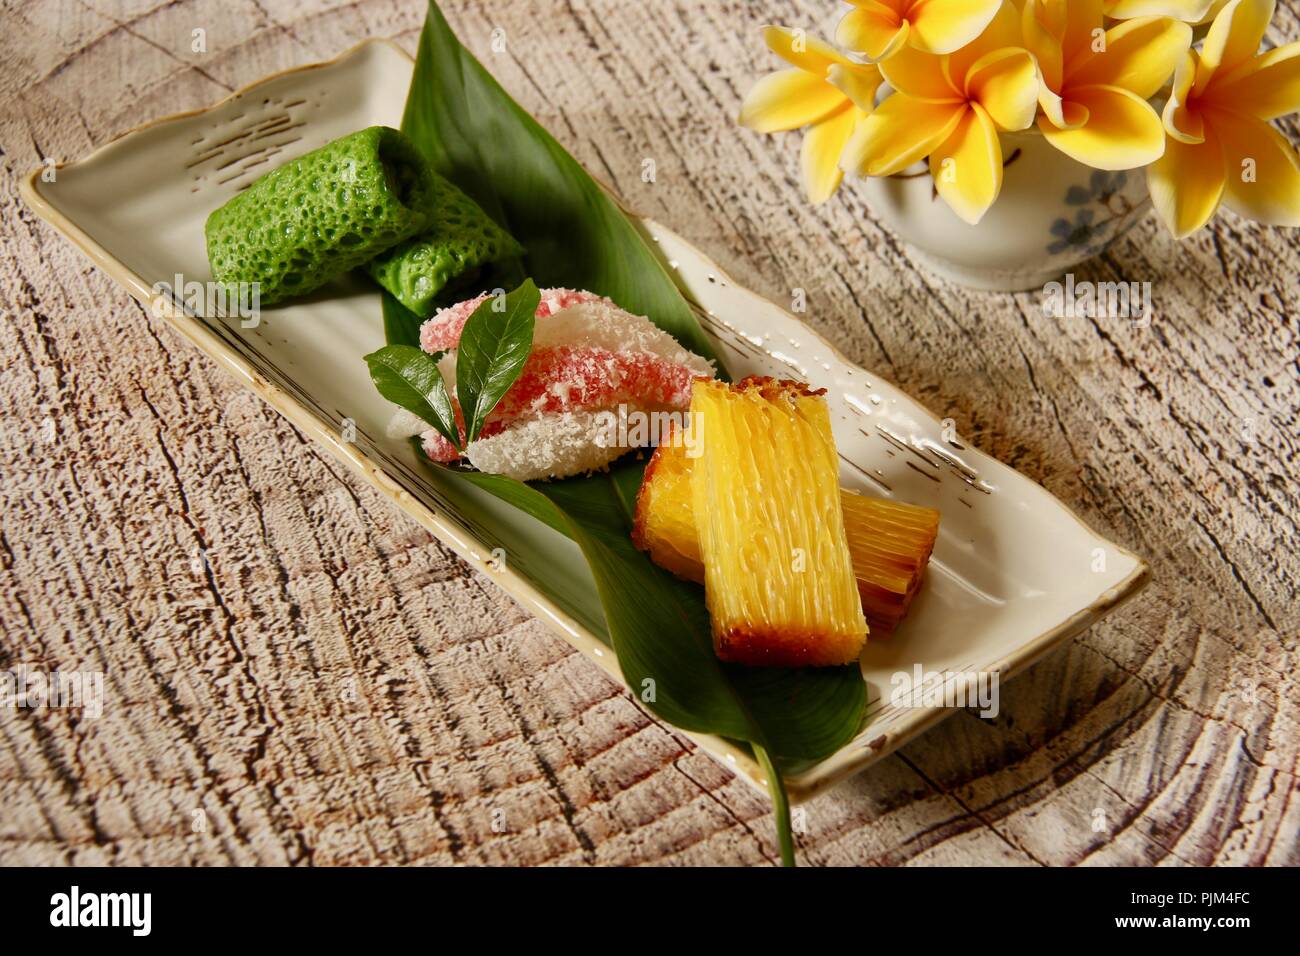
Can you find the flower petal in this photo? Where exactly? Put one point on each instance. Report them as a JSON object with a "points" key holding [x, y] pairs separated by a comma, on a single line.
{"points": [[1215, 8], [1139, 56], [899, 132], [1006, 83], [1003, 31], [1062, 114], [1189, 11], [1082, 17], [942, 26], [1042, 23], [1233, 39], [1186, 184], [799, 49], [919, 75], [859, 82], [1268, 89], [1261, 168], [1181, 121], [1122, 132], [967, 166], [1051, 15], [788, 99], [872, 29], [819, 158]]}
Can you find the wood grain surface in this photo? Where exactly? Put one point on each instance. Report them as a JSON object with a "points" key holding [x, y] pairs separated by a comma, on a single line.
{"points": [[297, 674]]}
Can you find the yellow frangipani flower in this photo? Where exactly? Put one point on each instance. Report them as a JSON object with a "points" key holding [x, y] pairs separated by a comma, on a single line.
{"points": [[951, 108], [1096, 82], [880, 28], [1221, 147], [825, 91]]}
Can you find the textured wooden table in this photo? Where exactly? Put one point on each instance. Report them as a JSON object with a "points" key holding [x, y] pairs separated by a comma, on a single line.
{"points": [[333, 686]]}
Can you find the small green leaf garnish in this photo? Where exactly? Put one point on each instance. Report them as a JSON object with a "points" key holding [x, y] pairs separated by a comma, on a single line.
{"points": [[494, 345], [409, 377]]}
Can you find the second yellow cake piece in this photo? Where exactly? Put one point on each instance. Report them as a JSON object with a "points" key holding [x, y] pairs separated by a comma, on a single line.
{"points": [[778, 577]]}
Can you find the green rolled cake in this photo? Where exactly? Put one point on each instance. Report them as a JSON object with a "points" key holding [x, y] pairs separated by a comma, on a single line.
{"points": [[322, 214], [449, 255]]}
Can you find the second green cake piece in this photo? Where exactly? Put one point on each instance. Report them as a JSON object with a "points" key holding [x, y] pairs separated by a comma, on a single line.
{"points": [[449, 255]]}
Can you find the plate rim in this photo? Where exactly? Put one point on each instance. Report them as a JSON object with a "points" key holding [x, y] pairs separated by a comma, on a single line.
{"points": [[801, 787]]}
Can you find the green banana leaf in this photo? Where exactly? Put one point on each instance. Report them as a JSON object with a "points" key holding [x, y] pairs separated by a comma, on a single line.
{"points": [[576, 236]]}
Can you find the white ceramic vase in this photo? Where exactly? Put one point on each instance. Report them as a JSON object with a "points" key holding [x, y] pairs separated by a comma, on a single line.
{"points": [[1052, 214]]}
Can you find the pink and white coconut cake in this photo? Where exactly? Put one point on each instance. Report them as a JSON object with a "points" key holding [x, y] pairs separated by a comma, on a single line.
{"points": [[589, 359]]}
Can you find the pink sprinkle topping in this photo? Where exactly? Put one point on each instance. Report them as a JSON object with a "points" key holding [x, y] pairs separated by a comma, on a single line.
{"points": [[562, 379], [442, 331], [587, 373]]}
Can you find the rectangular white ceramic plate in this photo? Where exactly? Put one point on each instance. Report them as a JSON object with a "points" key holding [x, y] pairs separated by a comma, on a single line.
{"points": [[1014, 572]]}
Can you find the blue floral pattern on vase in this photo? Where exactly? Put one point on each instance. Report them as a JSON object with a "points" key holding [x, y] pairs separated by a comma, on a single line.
{"points": [[1099, 219]]}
